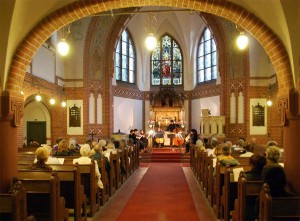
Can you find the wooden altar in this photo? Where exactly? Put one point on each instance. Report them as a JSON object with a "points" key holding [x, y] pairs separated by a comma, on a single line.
{"points": [[166, 105]]}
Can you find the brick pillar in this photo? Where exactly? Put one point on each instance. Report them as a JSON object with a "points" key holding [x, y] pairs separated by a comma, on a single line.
{"points": [[12, 109], [289, 107]]}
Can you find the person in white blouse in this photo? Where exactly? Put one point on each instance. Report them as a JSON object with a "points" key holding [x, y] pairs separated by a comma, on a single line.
{"points": [[84, 159]]}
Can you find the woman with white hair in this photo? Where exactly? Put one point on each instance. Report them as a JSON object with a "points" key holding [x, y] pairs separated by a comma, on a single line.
{"points": [[51, 160], [84, 159]]}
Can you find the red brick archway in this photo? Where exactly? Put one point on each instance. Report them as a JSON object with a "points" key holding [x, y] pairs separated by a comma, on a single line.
{"points": [[79, 9]]}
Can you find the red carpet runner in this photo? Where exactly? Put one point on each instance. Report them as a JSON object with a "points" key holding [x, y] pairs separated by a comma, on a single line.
{"points": [[163, 194]]}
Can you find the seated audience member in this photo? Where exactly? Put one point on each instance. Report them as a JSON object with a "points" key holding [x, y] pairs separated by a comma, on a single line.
{"points": [[272, 143], [63, 149], [51, 160], [225, 158], [72, 147], [275, 177], [102, 144], [55, 147], [193, 139], [34, 143], [42, 155], [252, 145], [217, 146], [241, 143], [273, 155], [248, 153], [84, 159], [97, 152], [257, 162], [209, 149], [199, 145]]}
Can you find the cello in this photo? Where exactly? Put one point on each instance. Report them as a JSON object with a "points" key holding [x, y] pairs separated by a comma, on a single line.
{"points": [[178, 140]]}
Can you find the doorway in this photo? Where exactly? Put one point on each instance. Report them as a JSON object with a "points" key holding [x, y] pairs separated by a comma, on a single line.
{"points": [[36, 130]]}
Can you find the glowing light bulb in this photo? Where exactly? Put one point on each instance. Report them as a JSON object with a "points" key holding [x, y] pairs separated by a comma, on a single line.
{"points": [[52, 101], [63, 47], [150, 42], [242, 41], [63, 104], [38, 97]]}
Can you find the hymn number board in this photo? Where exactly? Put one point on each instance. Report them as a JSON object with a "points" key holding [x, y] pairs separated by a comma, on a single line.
{"points": [[258, 115], [75, 114]]}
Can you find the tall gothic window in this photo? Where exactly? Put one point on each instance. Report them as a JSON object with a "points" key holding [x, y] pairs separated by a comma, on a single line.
{"points": [[166, 63], [125, 59], [207, 58]]}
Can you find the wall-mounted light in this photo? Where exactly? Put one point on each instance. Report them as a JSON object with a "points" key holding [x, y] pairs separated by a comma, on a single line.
{"points": [[269, 102], [63, 104], [52, 101], [150, 24], [38, 97], [242, 40]]}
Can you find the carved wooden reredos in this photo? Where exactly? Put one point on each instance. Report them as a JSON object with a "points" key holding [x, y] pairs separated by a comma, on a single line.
{"points": [[166, 105]]}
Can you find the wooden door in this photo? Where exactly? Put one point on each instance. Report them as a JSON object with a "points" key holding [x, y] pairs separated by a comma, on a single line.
{"points": [[37, 130]]}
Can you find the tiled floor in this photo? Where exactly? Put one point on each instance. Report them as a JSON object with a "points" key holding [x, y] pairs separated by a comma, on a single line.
{"points": [[111, 210]]}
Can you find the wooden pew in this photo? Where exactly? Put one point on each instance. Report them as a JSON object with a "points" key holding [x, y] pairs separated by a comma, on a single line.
{"points": [[248, 192], [43, 195], [104, 179], [127, 161], [89, 182], [13, 205], [278, 208], [123, 165], [112, 176], [209, 180], [218, 184], [115, 160], [71, 189], [202, 169], [229, 191]]}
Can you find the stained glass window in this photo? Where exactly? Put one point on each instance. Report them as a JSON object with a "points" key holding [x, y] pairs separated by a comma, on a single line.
{"points": [[125, 59], [207, 64], [166, 63]]}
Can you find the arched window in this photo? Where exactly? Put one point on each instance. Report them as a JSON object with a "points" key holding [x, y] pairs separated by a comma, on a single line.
{"points": [[166, 63], [207, 58], [125, 59]]}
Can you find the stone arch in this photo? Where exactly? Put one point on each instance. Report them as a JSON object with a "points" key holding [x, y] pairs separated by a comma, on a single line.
{"points": [[79, 9]]}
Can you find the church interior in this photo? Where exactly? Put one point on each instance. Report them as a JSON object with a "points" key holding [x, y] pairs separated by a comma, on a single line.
{"points": [[108, 82]]}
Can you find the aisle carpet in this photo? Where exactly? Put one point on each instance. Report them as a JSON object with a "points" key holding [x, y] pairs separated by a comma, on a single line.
{"points": [[163, 194]]}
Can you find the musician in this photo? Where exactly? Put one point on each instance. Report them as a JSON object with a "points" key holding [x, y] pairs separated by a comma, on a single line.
{"points": [[193, 139], [171, 126]]}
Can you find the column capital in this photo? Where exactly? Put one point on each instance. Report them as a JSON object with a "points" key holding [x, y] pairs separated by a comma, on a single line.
{"points": [[11, 108], [289, 107]]}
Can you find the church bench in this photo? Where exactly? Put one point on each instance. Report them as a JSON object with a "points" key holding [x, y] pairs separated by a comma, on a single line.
{"points": [[122, 165], [248, 191], [278, 208], [192, 158], [202, 169], [136, 157], [127, 161], [230, 191], [115, 161], [71, 189], [199, 160], [112, 176], [104, 179], [89, 182], [130, 160], [43, 195], [13, 205], [209, 179], [218, 184]]}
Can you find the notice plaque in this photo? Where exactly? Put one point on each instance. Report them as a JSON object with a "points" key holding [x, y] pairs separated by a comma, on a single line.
{"points": [[258, 115]]}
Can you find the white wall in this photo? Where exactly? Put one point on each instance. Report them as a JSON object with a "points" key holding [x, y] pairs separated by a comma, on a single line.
{"points": [[211, 103], [43, 63], [128, 114]]}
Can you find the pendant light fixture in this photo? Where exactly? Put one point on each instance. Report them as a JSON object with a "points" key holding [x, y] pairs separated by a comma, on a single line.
{"points": [[242, 40], [63, 46], [150, 24]]}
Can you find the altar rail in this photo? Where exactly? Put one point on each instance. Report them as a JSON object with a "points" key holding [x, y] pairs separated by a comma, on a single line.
{"points": [[212, 125]]}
